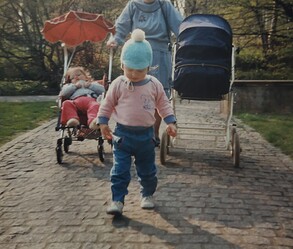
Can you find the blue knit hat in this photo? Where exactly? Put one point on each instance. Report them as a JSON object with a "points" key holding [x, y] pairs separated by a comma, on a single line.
{"points": [[137, 52]]}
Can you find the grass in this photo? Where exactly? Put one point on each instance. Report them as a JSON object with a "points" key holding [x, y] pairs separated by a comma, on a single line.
{"points": [[17, 118], [276, 129]]}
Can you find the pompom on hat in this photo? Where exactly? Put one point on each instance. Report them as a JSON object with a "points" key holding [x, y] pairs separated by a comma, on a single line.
{"points": [[137, 52]]}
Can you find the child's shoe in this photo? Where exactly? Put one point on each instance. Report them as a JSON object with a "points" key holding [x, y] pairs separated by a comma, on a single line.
{"points": [[73, 122], [115, 208], [147, 202], [93, 125]]}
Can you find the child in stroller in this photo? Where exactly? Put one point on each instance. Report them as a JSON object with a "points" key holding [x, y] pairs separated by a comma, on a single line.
{"points": [[79, 99], [79, 105]]}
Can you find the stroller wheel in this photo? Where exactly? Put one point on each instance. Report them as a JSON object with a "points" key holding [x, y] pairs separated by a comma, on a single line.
{"points": [[59, 154], [101, 150], [110, 142], [101, 153], [67, 143]]}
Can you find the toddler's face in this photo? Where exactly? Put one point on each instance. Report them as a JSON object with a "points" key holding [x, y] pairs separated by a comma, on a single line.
{"points": [[135, 75], [77, 75]]}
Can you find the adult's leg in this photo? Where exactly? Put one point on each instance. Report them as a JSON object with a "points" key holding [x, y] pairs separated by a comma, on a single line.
{"points": [[162, 59]]}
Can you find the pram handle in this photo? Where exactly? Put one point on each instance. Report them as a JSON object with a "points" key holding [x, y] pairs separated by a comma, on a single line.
{"points": [[109, 79]]}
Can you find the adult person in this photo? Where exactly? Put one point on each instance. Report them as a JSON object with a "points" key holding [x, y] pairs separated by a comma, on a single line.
{"points": [[157, 18]]}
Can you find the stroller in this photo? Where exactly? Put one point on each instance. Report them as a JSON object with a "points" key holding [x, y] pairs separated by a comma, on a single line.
{"points": [[203, 70], [68, 134], [73, 29]]}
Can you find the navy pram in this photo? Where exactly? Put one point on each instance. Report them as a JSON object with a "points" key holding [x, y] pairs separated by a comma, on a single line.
{"points": [[203, 71], [203, 58]]}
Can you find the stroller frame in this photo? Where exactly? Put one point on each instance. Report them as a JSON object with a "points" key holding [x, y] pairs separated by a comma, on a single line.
{"points": [[232, 142], [73, 29], [81, 132]]}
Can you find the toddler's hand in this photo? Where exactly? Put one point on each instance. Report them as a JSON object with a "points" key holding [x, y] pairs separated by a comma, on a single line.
{"points": [[87, 84], [106, 131], [78, 84], [171, 130]]}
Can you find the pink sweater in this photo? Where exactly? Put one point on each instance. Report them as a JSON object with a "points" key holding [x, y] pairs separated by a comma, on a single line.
{"points": [[134, 104]]}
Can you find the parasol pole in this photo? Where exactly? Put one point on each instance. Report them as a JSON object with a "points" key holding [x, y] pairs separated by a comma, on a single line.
{"points": [[65, 63], [71, 57], [110, 65]]}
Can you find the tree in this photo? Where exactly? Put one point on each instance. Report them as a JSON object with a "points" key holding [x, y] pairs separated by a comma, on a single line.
{"points": [[261, 28], [23, 51]]}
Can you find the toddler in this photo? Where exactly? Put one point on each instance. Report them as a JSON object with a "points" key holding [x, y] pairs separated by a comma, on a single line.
{"points": [[80, 96], [131, 101]]}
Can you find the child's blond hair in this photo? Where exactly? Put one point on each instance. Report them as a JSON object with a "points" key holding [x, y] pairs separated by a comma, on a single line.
{"points": [[72, 70]]}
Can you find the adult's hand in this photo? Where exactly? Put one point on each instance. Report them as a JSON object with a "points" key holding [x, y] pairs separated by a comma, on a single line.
{"points": [[111, 43]]}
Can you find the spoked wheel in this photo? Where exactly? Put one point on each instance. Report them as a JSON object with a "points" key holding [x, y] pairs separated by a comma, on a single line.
{"points": [[164, 147], [59, 154], [230, 148], [67, 143], [235, 149]]}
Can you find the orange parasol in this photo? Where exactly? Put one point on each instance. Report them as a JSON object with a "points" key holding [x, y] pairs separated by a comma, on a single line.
{"points": [[74, 28]]}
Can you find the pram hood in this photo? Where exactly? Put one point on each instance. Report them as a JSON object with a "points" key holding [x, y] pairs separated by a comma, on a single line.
{"points": [[205, 20], [204, 39], [203, 57]]}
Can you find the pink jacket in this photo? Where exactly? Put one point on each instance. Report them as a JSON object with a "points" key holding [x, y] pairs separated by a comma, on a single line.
{"points": [[134, 104]]}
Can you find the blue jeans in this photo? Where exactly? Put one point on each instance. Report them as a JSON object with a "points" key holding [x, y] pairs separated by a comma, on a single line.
{"points": [[137, 142]]}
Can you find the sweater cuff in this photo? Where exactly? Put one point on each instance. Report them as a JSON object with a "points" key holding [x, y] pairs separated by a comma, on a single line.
{"points": [[119, 41], [170, 119], [103, 120]]}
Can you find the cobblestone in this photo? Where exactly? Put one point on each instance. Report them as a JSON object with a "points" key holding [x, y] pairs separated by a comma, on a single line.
{"points": [[202, 200]]}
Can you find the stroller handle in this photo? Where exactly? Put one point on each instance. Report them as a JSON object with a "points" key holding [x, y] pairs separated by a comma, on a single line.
{"points": [[110, 65]]}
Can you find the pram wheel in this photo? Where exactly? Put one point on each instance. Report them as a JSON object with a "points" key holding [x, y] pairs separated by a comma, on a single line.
{"points": [[235, 148], [59, 154], [164, 147], [67, 143]]}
